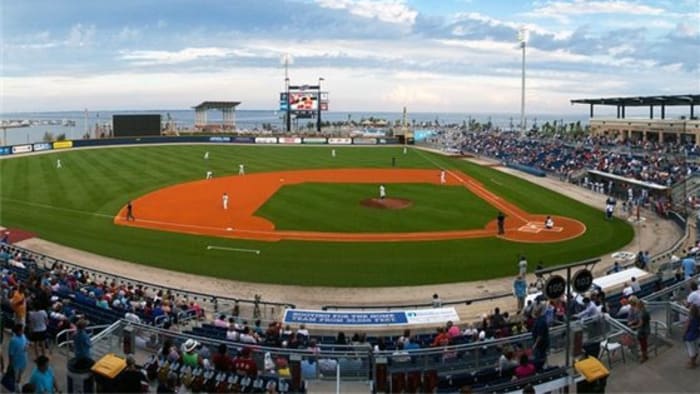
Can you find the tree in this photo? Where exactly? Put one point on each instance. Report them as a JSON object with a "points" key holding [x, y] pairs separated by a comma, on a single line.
{"points": [[61, 137], [48, 137]]}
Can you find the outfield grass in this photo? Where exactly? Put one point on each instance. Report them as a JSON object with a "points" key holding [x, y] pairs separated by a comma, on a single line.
{"points": [[74, 206], [336, 207]]}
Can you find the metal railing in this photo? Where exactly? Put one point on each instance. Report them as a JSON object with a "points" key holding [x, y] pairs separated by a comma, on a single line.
{"points": [[256, 308]]}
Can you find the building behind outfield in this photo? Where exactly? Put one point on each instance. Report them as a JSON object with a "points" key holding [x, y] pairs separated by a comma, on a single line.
{"points": [[656, 127]]}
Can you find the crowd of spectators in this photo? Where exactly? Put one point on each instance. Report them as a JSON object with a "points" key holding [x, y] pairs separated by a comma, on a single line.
{"points": [[660, 163]]}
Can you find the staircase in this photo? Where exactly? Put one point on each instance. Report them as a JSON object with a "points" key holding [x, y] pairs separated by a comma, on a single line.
{"points": [[688, 187]]}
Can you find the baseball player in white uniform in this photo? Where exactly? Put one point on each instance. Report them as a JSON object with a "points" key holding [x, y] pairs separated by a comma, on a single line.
{"points": [[241, 169], [210, 174], [206, 156], [333, 153], [382, 192], [224, 200], [405, 150], [58, 163], [442, 177]]}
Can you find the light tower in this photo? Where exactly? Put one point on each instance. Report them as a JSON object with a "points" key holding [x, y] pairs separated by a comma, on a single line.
{"points": [[522, 38], [286, 60]]}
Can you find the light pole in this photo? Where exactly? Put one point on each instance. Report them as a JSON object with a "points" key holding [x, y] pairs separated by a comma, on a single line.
{"points": [[522, 38], [286, 60], [318, 104]]}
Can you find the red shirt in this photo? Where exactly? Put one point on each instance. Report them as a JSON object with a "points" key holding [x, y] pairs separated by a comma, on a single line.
{"points": [[222, 362], [245, 366], [523, 371]]}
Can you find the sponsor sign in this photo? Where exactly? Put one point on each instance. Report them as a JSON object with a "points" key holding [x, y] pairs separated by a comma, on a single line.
{"points": [[5, 150], [265, 140], [42, 146], [364, 318], [555, 287], [219, 139], [385, 141], [244, 140], [364, 141], [62, 144], [314, 140], [340, 141], [21, 149], [289, 140], [582, 281]]}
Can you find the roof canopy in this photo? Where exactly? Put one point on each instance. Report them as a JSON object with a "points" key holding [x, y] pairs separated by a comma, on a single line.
{"points": [[640, 101], [206, 105]]}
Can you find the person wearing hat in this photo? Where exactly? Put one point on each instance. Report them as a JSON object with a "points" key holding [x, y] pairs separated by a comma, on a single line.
{"points": [[190, 357], [42, 377]]}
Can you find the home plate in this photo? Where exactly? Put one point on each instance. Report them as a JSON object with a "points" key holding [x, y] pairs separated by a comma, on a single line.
{"points": [[229, 228]]}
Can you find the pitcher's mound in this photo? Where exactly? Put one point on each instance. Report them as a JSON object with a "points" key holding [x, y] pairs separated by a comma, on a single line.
{"points": [[387, 203]]}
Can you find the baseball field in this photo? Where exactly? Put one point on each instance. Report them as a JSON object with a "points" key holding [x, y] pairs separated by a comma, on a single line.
{"points": [[299, 215]]}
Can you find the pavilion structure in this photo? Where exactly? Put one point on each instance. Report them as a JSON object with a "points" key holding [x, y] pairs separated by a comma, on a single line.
{"points": [[658, 128], [228, 111]]}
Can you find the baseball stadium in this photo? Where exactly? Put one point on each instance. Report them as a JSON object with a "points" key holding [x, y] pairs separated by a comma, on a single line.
{"points": [[317, 253]]}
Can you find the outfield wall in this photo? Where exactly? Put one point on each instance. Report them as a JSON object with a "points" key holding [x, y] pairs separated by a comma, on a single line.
{"points": [[262, 140]]}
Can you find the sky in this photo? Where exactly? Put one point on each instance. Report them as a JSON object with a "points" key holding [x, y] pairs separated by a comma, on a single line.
{"points": [[374, 55]]}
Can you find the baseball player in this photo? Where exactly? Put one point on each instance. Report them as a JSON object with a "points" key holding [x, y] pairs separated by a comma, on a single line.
{"points": [[333, 153], [405, 150], [210, 174], [241, 169], [130, 212], [382, 192], [206, 156], [442, 177], [58, 163], [224, 201]]}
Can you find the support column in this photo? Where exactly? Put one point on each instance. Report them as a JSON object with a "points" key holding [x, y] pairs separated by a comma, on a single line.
{"points": [[644, 136], [663, 111], [618, 112], [651, 112], [623, 112], [691, 110]]}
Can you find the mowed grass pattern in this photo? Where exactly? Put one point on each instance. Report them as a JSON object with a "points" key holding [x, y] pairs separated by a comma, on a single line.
{"points": [[336, 207], [75, 205]]}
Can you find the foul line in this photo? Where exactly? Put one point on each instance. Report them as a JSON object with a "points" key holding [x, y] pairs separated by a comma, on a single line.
{"points": [[256, 251], [39, 205], [493, 201]]}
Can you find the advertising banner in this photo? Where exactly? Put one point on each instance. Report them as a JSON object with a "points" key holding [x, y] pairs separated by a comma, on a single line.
{"points": [[62, 144], [340, 141], [219, 139], [289, 140], [369, 318], [5, 150], [244, 140], [388, 141], [364, 141], [42, 146], [265, 140], [21, 149], [314, 140]]}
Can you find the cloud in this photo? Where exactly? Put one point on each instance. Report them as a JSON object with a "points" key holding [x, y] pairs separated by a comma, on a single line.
{"points": [[80, 36], [391, 11], [585, 7], [174, 57]]}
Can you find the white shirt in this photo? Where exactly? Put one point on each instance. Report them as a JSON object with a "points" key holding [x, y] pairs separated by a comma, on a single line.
{"points": [[522, 264], [382, 191], [224, 199], [240, 167], [627, 291], [636, 287], [694, 298], [549, 223]]}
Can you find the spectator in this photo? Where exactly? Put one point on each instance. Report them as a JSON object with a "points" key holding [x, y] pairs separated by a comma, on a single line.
{"points": [[222, 362], [131, 379], [627, 290], [540, 336], [42, 377], [17, 353], [694, 296], [690, 337], [221, 321], [82, 346], [244, 364], [38, 321], [590, 310], [18, 301], [522, 266], [506, 362], [437, 302], [636, 288], [688, 265], [452, 330], [190, 357], [525, 368], [520, 291], [641, 323]]}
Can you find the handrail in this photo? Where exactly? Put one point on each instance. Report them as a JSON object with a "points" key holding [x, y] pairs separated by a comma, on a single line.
{"points": [[467, 301], [48, 261]]}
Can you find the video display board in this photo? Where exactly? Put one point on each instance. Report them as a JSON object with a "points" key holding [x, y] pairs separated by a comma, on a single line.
{"points": [[135, 125]]}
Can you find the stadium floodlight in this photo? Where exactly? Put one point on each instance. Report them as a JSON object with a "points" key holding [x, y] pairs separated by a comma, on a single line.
{"points": [[286, 60], [523, 36]]}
